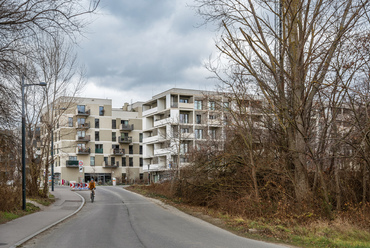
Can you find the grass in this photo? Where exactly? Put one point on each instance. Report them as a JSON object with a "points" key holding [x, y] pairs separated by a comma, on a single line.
{"points": [[319, 234], [30, 208]]}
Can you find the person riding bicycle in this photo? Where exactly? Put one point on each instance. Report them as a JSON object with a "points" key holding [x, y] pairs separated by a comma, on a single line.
{"points": [[92, 186]]}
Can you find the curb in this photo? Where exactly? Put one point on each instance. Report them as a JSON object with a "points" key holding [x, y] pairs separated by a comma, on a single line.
{"points": [[50, 226]]}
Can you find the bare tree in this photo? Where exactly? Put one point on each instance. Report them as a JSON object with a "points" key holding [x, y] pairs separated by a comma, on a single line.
{"points": [[289, 51]]}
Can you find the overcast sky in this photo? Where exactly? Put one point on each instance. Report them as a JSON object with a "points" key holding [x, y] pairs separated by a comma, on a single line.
{"points": [[138, 48]]}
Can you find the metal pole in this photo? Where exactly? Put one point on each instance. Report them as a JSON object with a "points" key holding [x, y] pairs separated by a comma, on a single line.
{"points": [[52, 159], [23, 150]]}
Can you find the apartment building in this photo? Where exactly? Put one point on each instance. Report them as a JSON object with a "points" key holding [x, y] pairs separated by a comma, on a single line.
{"points": [[176, 121], [94, 140]]}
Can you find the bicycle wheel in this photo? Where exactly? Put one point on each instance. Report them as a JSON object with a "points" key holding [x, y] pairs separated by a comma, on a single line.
{"points": [[92, 197]]}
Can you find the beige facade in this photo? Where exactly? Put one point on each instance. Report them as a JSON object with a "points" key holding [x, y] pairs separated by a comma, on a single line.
{"points": [[106, 141]]}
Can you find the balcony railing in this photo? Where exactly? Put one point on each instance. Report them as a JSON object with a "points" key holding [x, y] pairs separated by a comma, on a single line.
{"points": [[126, 127], [98, 150], [118, 152], [82, 151], [72, 163], [83, 138], [125, 140], [105, 165], [83, 113], [85, 125]]}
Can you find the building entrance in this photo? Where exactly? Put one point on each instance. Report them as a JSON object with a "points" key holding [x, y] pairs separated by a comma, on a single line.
{"points": [[99, 178]]}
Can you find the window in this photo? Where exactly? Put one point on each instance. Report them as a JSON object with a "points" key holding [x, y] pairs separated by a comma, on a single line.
{"points": [[70, 121], [96, 123], [124, 162], [184, 118], [141, 176], [112, 161], [140, 149], [212, 133], [184, 148], [198, 119], [74, 158], [92, 161], [101, 110], [81, 134], [141, 162], [96, 135], [198, 105], [105, 161], [114, 139], [184, 130], [226, 106], [113, 124], [98, 148], [130, 150], [81, 109], [140, 137], [198, 133], [130, 162], [212, 117], [211, 105], [183, 100]]}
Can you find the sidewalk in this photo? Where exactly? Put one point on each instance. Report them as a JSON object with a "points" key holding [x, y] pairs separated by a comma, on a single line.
{"points": [[20, 230]]}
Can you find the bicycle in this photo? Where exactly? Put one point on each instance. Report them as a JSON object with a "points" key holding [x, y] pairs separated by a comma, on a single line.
{"points": [[92, 195]]}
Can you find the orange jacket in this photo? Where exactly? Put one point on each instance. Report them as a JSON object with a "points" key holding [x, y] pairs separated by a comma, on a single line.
{"points": [[91, 185]]}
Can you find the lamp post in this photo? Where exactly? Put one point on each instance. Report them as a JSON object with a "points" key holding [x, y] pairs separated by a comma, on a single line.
{"points": [[24, 143]]}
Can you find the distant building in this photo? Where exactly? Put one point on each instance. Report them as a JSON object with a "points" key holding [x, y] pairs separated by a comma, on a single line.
{"points": [[106, 141], [175, 122]]}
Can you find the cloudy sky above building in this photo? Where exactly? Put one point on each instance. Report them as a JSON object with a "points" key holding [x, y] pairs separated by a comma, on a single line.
{"points": [[136, 49]]}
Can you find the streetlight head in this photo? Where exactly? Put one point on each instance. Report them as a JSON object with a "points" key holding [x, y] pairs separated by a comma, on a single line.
{"points": [[42, 84]]}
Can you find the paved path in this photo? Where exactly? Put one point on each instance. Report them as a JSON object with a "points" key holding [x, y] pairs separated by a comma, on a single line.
{"points": [[18, 231]]}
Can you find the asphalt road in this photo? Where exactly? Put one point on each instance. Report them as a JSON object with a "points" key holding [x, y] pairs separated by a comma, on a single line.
{"points": [[120, 218]]}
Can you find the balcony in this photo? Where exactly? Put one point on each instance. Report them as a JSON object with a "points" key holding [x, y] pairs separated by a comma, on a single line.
{"points": [[118, 152], [85, 125], [125, 140], [83, 138], [126, 127], [98, 150], [83, 113], [83, 151], [72, 163], [150, 111], [105, 165]]}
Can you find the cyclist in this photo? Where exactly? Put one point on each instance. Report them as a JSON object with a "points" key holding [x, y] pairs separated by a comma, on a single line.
{"points": [[92, 186]]}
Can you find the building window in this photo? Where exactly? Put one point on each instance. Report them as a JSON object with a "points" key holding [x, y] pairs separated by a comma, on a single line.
{"points": [[96, 123], [184, 148], [198, 133], [184, 100], [184, 130], [226, 106], [198, 119], [70, 121], [113, 161], [96, 135], [141, 176], [141, 137], [114, 139], [81, 109], [140, 149], [130, 149], [212, 105], [141, 162], [124, 162], [105, 161], [114, 124], [130, 162], [212, 133], [212, 117], [184, 118], [92, 161], [98, 148], [101, 110], [198, 105], [74, 158], [81, 134]]}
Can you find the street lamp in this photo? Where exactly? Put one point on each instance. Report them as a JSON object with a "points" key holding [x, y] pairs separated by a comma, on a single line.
{"points": [[24, 143]]}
